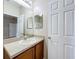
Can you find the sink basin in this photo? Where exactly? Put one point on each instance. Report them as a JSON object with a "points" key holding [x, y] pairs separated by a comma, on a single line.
{"points": [[27, 41]]}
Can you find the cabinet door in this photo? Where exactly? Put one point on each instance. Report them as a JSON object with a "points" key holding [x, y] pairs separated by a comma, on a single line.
{"points": [[5, 54], [29, 54], [39, 50]]}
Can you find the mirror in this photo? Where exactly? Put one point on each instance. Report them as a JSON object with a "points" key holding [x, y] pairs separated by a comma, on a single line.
{"points": [[38, 20], [19, 19], [38, 17], [27, 19]]}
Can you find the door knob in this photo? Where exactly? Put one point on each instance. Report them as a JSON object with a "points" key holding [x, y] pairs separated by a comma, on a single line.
{"points": [[49, 38]]}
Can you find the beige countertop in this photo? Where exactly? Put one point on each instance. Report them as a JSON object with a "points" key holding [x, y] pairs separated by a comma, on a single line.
{"points": [[15, 48]]}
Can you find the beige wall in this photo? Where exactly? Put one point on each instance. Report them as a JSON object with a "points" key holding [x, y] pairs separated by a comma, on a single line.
{"points": [[43, 5]]}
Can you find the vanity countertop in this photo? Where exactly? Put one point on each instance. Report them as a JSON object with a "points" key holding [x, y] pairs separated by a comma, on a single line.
{"points": [[15, 48]]}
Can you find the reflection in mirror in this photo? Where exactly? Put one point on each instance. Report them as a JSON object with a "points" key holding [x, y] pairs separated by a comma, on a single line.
{"points": [[17, 14], [29, 22], [38, 20], [9, 26]]}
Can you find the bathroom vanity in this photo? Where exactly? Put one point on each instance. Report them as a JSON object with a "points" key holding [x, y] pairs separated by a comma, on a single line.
{"points": [[31, 48]]}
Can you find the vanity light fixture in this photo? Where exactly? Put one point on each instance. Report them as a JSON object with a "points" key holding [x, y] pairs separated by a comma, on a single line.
{"points": [[24, 3]]}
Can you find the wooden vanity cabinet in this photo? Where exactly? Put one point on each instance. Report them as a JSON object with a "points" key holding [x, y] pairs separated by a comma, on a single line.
{"points": [[35, 52], [29, 54]]}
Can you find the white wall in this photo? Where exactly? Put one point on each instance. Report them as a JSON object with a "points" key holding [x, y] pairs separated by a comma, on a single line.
{"points": [[11, 8]]}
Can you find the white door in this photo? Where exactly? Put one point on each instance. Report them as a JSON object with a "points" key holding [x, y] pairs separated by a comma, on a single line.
{"points": [[61, 42], [20, 26]]}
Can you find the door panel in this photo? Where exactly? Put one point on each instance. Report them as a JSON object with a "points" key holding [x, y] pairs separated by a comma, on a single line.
{"points": [[68, 2], [55, 5], [61, 29], [69, 52], [54, 24], [54, 51], [69, 23]]}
